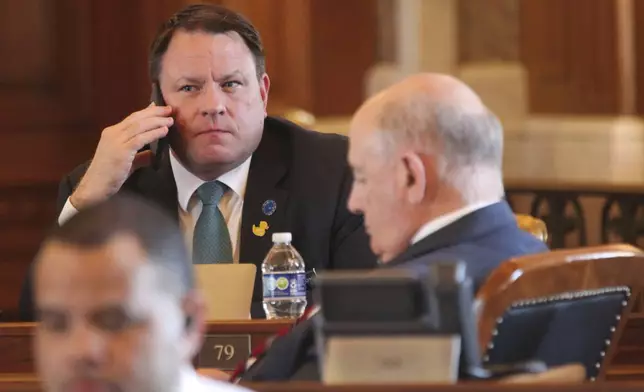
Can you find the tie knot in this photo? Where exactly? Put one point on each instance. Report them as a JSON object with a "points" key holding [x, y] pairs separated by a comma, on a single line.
{"points": [[211, 192]]}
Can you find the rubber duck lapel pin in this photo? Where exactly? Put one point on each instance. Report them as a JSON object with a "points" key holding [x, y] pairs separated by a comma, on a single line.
{"points": [[260, 230]]}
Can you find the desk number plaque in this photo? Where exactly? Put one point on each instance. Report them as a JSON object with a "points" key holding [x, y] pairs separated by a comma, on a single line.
{"points": [[224, 352]]}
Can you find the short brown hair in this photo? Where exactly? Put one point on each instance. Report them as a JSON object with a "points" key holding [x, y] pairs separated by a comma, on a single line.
{"points": [[209, 18], [127, 213]]}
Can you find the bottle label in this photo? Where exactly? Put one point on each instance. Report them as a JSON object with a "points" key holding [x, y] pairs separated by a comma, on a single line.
{"points": [[284, 284]]}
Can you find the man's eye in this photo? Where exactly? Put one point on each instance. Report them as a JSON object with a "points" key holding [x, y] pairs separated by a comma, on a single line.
{"points": [[188, 89], [57, 323], [112, 320], [231, 84]]}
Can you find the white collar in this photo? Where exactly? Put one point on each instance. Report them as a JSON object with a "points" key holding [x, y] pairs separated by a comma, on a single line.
{"points": [[445, 220], [187, 182], [191, 381]]}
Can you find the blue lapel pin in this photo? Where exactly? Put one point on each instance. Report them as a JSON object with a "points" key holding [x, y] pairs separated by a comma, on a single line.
{"points": [[269, 207]]}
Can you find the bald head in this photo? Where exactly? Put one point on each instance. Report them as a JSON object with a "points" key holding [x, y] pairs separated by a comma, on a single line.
{"points": [[420, 149], [444, 89], [414, 103], [432, 114]]}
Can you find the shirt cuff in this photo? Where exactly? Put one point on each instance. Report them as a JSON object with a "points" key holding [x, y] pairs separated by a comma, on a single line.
{"points": [[68, 211]]}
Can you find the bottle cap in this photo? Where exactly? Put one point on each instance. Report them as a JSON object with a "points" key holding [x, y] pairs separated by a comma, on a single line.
{"points": [[282, 238]]}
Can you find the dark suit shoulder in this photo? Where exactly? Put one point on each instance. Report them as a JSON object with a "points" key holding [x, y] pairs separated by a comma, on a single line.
{"points": [[313, 145], [483, 254]]}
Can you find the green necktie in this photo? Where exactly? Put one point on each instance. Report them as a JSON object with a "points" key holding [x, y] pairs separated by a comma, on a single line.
{"points": [[211, 240]]}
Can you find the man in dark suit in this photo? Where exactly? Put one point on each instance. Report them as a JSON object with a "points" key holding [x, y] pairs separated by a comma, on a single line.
{"points": [[229, 174], [427, 161]]}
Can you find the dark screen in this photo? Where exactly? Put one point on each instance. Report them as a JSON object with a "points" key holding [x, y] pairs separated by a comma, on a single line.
{"points": [[380, 300]]}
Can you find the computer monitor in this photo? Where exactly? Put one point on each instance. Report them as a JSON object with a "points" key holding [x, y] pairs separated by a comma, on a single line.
{"points": [[398, 303]]}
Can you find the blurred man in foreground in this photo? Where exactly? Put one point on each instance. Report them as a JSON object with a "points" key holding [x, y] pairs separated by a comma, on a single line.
{"points": [[116, 302], [427, 157]]}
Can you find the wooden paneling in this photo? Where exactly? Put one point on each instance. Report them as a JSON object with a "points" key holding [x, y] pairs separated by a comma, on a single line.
{"points": [[25, 213], [638, 22], [318, 52], [571, 54], [69, 68], [45, 93], [30, 23], [343, 44], [46, 77], [269, 19]]}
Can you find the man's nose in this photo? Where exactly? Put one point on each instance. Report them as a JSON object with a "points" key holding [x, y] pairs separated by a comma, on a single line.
{"points": [[86, 347], [213, 102]]}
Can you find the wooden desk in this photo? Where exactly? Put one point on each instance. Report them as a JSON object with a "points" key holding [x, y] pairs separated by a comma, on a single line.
{"points": [[16, 345], [222, 339], [29, 383], [464, 387]]}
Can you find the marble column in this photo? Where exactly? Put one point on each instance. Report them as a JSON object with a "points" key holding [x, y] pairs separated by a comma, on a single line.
{"points": [[488, 32], [424, 40]]}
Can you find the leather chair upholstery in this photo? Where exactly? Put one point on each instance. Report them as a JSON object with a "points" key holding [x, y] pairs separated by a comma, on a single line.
{"points": [[575, 327]]}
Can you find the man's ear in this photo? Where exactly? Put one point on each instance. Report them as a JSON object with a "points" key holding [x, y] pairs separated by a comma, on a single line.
{"points": [[264, 87], [194, 310], [416, 179]]}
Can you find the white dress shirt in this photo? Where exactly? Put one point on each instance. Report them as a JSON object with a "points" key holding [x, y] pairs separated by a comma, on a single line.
{"points": [[445, 220], [191, 381], [231, 204]]}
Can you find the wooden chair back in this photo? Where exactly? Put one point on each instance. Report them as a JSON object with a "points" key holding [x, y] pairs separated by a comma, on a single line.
{"points": [[557, 272]]}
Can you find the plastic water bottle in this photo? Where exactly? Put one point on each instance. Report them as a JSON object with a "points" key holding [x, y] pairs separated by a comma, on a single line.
{"points": [[284, 280]]}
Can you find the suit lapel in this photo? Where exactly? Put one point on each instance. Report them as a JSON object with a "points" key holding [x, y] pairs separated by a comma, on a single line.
{"points": [[264, 187]]}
